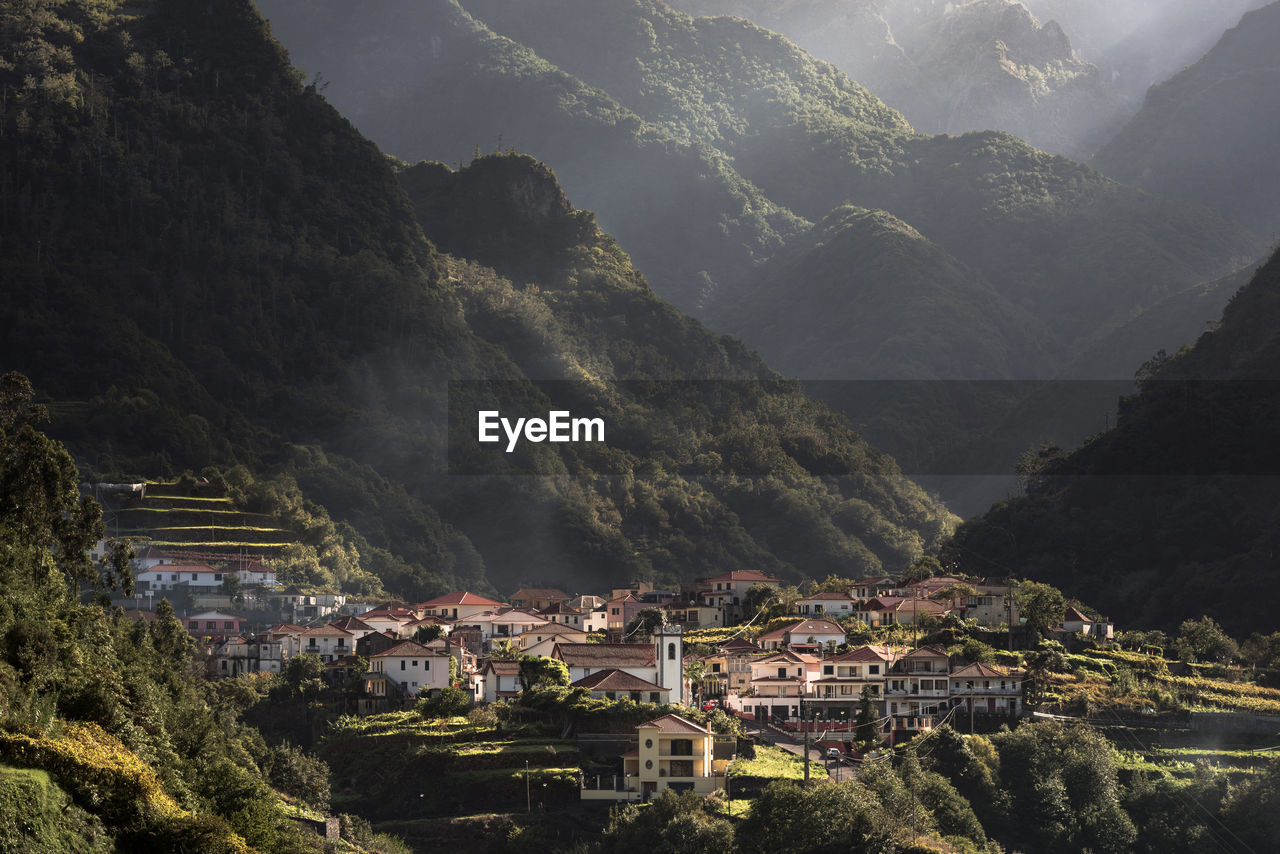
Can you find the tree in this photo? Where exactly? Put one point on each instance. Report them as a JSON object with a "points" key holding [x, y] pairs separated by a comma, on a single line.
{"points": [[538, 671], [673, 823], [867, 731], [1036, 465], [426, 634], [926, 567], [833, 584], [975, 651], [1204, 640], [449, 703], [230, 584], [1261, 650], [504, 650], [695, 671], [758, 597], [40, 497], [952, 592], [1041, 605], [646, 622]]}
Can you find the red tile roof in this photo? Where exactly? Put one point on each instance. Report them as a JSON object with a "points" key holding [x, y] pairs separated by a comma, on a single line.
{"points": [[459, 598], [329, 631], [863, 653], [539, 593], [615, 680], [408, 649], [985, 671], [605, 654], [673, 723], [742, 575]]}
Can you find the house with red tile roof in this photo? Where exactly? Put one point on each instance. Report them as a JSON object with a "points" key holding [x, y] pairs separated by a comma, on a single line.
{"points": [[819, 633], [825, 604], [328, 642], [499, 680], [456, 606], [406, 670], [213, 624], [538, 598], [986, 690], [728, 590], [672, 753], [619, 685]]}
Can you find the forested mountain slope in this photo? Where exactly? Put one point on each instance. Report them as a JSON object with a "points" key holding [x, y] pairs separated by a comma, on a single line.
{"points": [[210, 266], [953, 67], [1172, 513], [1209, 133], [705, 145]]}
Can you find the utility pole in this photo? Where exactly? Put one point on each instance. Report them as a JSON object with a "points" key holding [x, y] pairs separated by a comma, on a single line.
{"points": [[804, 723]]}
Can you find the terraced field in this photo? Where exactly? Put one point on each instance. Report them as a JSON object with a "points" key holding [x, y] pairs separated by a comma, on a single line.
{"points": [[168, 519]]}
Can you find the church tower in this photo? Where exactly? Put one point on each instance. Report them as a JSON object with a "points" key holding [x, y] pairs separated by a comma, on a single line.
{"points": [[668, 654]]}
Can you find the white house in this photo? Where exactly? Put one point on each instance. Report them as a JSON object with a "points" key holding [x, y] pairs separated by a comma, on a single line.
{"points": [[197, 576], [825, 604], [820, 633], [328, 642], [457, 606], [407, 669]]}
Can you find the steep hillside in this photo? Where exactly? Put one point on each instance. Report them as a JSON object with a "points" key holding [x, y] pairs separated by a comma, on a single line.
{"points": [[866, 296], [800, 135], [1172, 513], [1136, 43], [213, 267], [1209, 133], [954, 67]]}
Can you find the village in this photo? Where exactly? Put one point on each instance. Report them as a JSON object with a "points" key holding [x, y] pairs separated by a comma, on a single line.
{"points": [[804, 674]]}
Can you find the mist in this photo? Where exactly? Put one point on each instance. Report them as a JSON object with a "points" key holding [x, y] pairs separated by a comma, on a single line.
{"points": [[1141, 42]]}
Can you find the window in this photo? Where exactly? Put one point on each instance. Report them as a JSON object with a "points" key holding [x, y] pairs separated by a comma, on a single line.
{"points": [[402, 664], [653, 697], [195, 577], [210, 624], [228, 624], [681, 768], [426, 665], [311, 642], [614, 612], [873, 669], [828, 669], [217, 576], [671, 652], [173, 577], [782, 673], [682, 747], [715, 668]]}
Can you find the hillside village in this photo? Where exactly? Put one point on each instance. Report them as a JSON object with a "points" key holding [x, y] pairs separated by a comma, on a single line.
{"points": [[720, 643]]}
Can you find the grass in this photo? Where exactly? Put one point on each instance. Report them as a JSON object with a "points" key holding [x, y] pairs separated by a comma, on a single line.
{"points": [[775, 763]]}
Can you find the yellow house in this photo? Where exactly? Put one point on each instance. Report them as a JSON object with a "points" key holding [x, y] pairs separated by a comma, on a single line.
{"points": [[673, 753]]}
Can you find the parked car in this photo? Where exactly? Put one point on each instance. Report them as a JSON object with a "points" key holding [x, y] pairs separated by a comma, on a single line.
{"points": [[834, 753]]}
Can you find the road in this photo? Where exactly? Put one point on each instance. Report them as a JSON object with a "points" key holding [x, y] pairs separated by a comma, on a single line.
{"points": [[836, 771]]}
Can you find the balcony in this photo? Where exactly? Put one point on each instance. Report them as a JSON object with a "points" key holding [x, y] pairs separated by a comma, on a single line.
{"points": [[994, 691]]}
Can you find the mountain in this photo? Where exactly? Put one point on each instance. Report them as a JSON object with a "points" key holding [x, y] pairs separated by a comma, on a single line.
{"points": [[624, 100], [1208, 133], [1171, 513], [953, 67], [1136, 43], [211, 267]]}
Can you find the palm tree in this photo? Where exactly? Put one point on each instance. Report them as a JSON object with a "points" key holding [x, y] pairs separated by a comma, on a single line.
{"points": [[695, 671]]}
